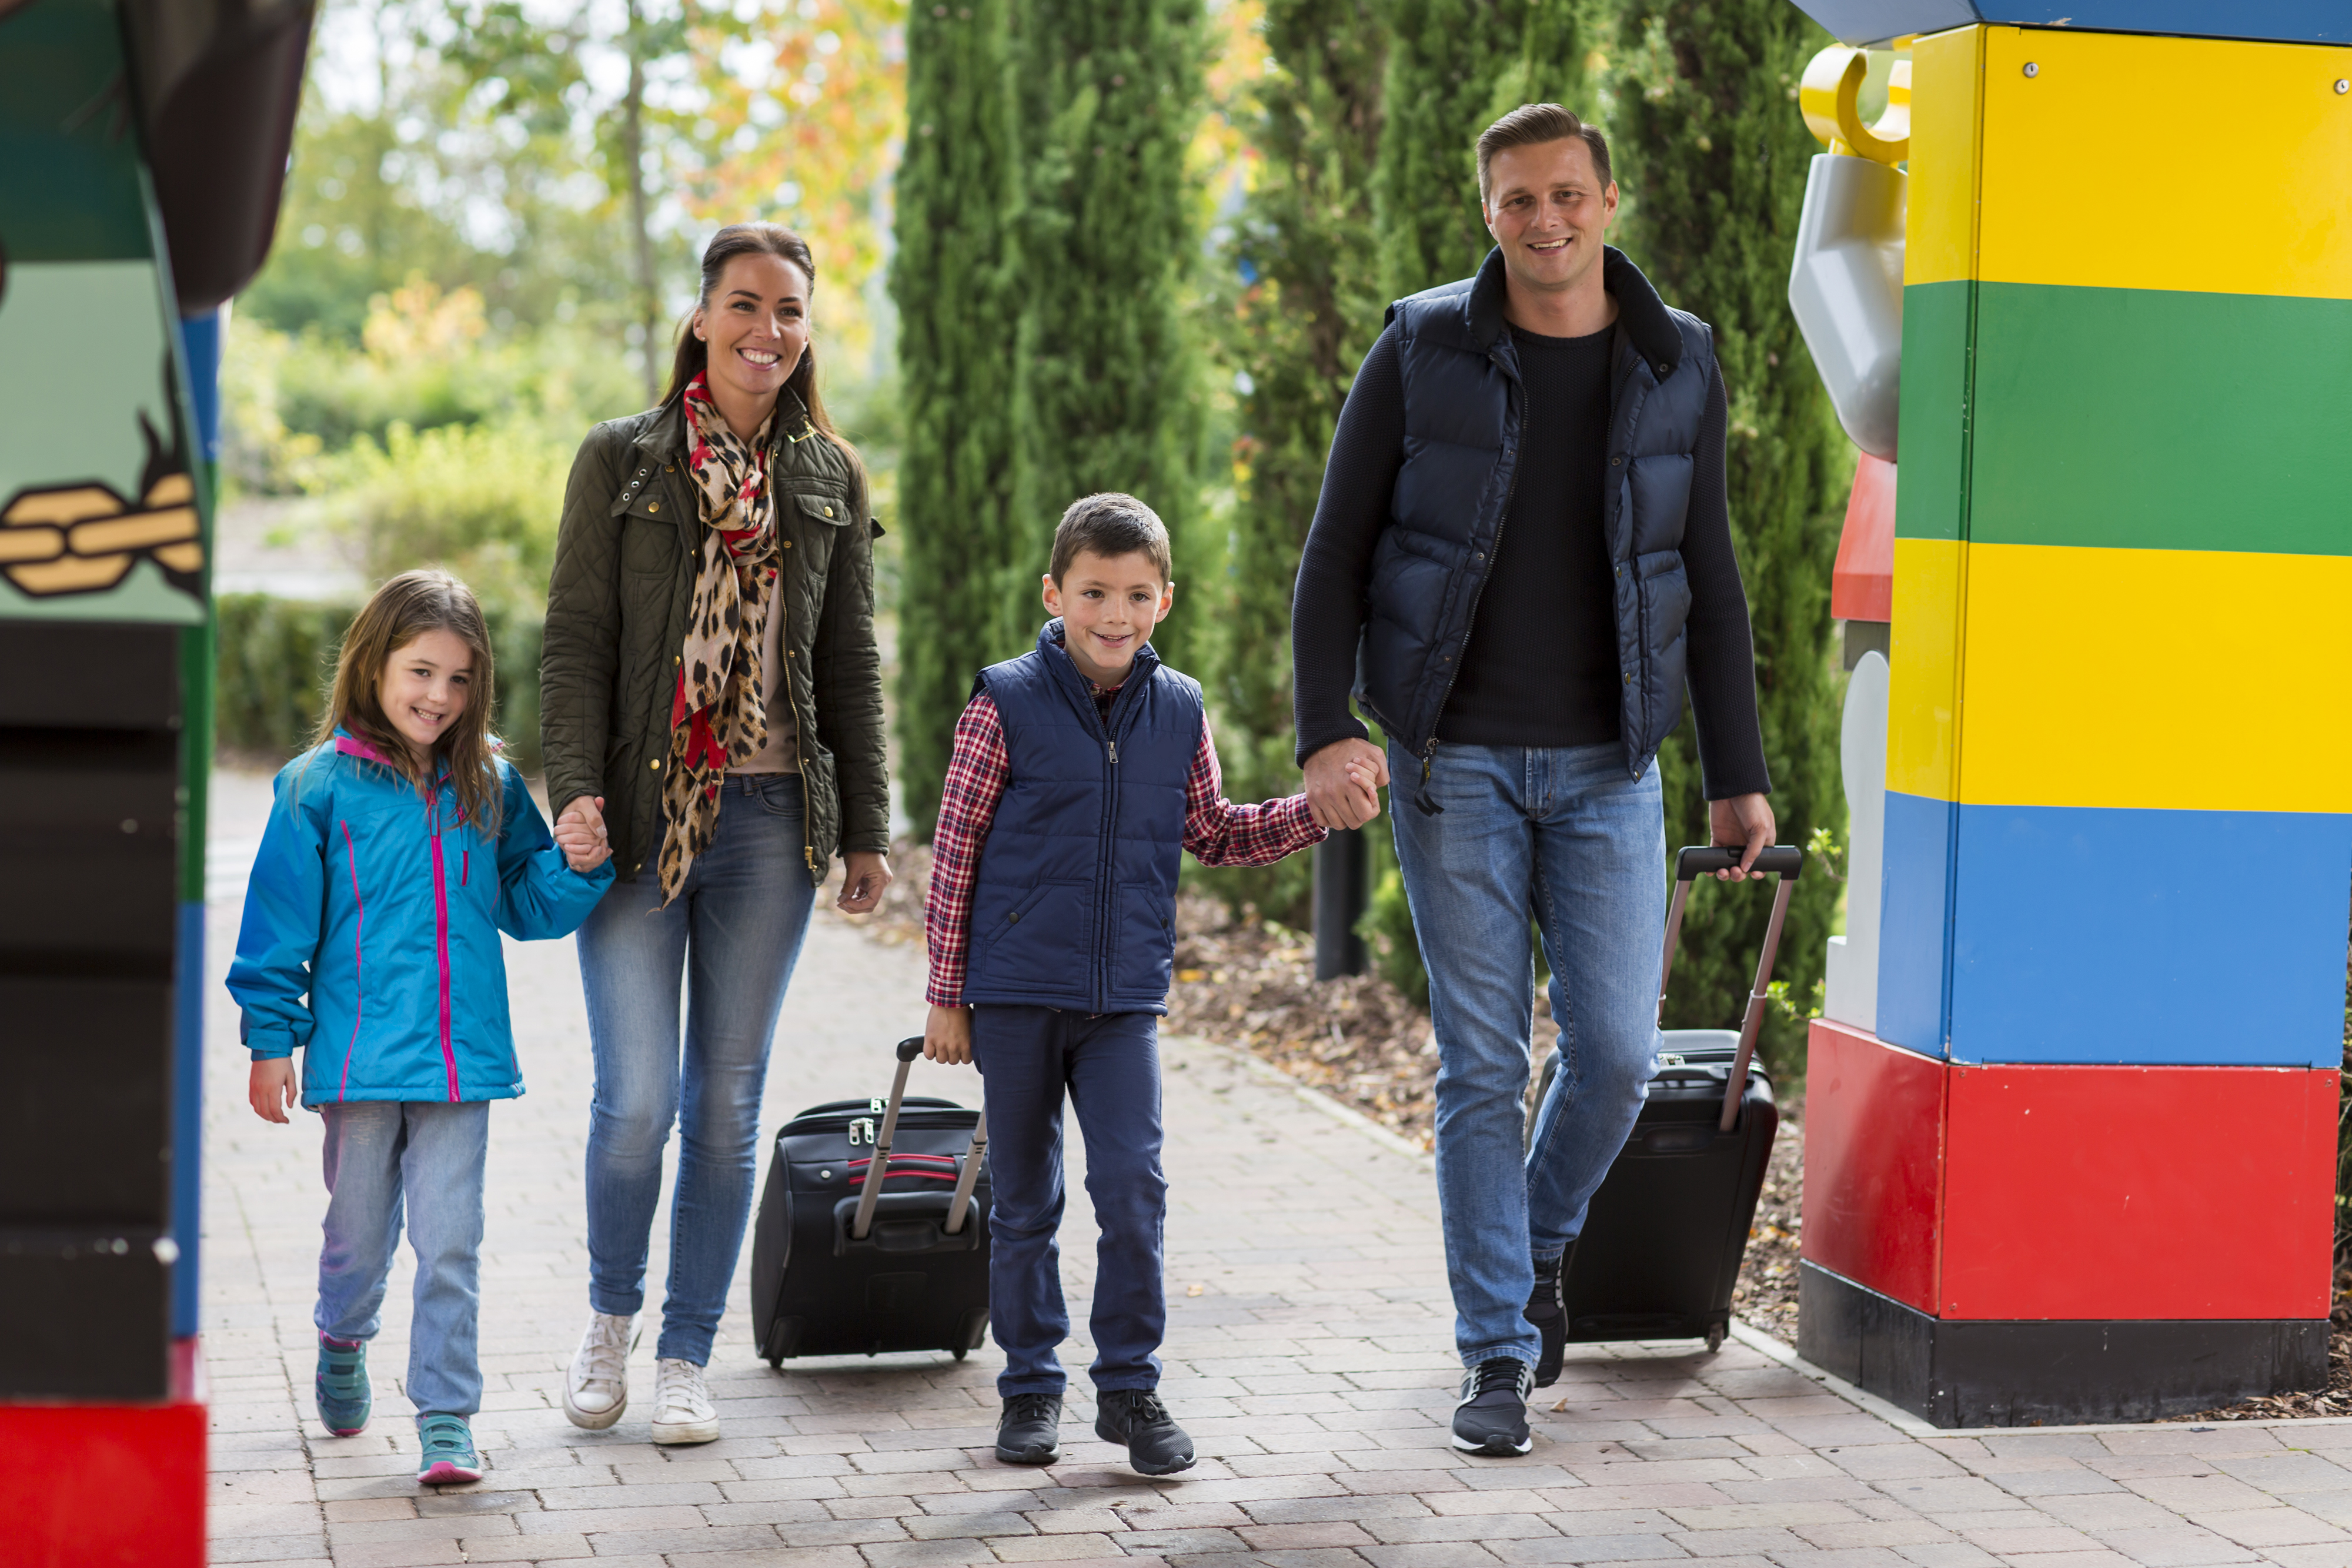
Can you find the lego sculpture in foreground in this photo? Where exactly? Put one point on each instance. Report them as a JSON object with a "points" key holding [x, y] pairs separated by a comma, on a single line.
{"points": [[2071, 1148]]}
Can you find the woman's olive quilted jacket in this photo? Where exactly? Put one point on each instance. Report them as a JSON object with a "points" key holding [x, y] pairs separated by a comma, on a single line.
{"points": [[616, 610]]}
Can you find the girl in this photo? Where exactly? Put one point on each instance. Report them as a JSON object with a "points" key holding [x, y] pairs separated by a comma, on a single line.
{"points": [[370, 945]]}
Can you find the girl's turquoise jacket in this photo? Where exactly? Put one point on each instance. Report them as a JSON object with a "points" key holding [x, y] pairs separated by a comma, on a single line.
{"points": [[371, 937]]}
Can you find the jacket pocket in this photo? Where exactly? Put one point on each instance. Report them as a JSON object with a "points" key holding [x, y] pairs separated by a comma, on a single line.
{"points": [[1143, 942], [1038, 939], [1665, 591]]}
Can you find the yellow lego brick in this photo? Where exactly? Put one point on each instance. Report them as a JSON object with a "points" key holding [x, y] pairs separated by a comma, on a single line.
{"points": [[1940, 239], [2202, 165], [1923, 707]]}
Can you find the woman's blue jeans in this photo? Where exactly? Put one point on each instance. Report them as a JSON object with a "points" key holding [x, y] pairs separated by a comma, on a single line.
{"points": [[733, 936], [1562, 838]]}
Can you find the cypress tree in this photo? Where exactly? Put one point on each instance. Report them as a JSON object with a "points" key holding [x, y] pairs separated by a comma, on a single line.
{"points": [[953, 282], [1709, 140], [1110, 93], [1307, 308], [1455, 66]]}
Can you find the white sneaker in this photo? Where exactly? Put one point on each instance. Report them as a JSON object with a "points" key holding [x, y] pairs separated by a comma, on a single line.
{"points": [[682, 1408], [596, 1387]]}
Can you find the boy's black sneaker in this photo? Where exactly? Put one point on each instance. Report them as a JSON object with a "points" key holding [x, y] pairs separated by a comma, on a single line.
{"points": [[1548, 1311], [1492, 1417], [1030, 1431], [1134, 1419]]}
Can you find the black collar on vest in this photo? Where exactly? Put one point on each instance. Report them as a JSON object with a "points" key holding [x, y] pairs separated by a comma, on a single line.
{"points": [[1640, 311]]}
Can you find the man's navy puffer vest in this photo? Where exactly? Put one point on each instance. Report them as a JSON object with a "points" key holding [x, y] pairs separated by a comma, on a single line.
{"points": [[1465, 410], [1075, 903]]}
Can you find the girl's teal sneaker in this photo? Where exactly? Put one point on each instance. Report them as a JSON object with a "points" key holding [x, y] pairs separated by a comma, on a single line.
{"points": [[344, 1394], [445, 1451]]}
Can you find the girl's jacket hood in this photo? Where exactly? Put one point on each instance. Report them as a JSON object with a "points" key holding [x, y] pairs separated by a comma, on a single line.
{"points": [[371, 934]]}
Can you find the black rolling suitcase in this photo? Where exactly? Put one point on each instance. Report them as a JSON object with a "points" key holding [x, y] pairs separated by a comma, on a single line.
{"points": [[843, 1265], [1663, 1239]]}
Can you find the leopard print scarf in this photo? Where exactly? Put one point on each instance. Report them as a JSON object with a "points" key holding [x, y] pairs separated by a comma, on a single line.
{"points": [[716, 720]]}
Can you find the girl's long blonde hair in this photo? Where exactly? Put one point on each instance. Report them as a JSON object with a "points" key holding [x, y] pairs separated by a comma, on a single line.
{"points": [[403, 610]]}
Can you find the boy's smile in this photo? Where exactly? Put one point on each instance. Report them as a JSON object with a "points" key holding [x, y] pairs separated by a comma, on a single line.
{"points": [[1108, 605]]}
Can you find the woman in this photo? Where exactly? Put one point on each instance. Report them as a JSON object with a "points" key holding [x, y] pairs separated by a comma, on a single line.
{"points": [[711, 700]]}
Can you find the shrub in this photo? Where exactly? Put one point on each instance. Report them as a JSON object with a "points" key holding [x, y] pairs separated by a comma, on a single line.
{"points": [[277, 661]]}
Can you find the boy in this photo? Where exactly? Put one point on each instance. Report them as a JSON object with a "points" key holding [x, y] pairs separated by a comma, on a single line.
{"points": [[1082, 771]]}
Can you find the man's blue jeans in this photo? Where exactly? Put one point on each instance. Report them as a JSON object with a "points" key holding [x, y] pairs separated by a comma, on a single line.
{"points": [[384, 1156], [1563, 838], [733, 935], [1107, 1064]]}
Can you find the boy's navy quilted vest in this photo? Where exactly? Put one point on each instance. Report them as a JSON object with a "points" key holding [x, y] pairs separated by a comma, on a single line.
{"points": [[1464, 413], [1074, 904]]}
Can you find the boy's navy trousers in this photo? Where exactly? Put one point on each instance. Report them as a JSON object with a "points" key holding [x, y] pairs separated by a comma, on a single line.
{"points": [[1108, 1065]]}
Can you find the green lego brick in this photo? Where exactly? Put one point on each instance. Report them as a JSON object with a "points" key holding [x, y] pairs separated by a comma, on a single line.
{"points": [[1930, 489], [2149, 419]]}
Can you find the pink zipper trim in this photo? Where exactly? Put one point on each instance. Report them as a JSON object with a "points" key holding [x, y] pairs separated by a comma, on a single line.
{"points": [[441, 941], [359, 929]]}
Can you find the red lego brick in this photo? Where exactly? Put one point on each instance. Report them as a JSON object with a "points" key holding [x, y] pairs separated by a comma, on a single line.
{"points": [[115, 1486], [1862, 583], [2135, 1192], [1873, 1165]]}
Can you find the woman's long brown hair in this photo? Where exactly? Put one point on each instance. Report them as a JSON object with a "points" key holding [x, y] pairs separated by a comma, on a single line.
{"points": [[402, 611], [693, 355]]}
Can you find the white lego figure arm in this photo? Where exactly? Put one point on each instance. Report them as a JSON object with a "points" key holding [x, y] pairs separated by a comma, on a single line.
{"points": [[1846, 285]]}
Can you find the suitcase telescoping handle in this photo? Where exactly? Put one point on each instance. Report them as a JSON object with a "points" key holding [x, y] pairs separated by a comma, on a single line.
{"points": [[877, 1169], [1787, 862], [960, 1204]]}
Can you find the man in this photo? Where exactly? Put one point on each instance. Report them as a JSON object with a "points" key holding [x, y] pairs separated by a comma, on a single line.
{"points": [[1521, 554]]}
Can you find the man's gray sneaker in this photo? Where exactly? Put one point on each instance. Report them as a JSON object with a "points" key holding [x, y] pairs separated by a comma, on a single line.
{"points": [[1492, 1417]]}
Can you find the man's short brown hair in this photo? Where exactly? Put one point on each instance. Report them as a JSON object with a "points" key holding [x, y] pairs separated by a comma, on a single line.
{"points": [[1111, 524], [1533, 122]]}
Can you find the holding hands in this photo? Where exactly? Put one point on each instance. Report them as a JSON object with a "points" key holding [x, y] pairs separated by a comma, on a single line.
{"points": [[580, 832], [1342, 783]]}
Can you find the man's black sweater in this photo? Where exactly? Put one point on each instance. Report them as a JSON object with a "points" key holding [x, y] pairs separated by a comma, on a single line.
{"points": [[1541, 665]]}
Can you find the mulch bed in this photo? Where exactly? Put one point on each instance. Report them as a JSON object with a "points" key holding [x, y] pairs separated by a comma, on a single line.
{"points": [[1251, 984]]}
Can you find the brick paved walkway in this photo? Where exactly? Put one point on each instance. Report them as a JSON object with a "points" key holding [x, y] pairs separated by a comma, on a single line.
{"points": [[1306, 1354]]}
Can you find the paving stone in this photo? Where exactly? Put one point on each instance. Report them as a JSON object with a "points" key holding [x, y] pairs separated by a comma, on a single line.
{"points": [[1314, 1370], [2179, 1545]]}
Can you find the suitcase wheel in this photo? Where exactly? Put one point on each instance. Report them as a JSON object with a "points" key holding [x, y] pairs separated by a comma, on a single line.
{"points": [[959, 1353], [1715, 1339]]}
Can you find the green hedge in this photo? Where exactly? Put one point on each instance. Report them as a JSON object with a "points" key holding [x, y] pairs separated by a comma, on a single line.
{"points": [[277, 662]]}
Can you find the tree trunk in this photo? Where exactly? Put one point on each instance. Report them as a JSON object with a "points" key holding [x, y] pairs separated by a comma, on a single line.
{"points": [[633, 146]]}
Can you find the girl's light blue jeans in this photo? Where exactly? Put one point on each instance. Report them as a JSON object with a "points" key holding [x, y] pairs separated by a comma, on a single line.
{"points": [[732, 936], [1562, 838], [381, 1156]]}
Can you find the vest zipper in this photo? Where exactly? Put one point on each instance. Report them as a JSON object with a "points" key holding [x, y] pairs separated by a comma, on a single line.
{"points": [[1494, 550], [1103, 901]]}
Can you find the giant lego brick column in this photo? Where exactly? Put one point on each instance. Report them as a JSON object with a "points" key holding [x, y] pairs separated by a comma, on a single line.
{"points": [[2083, 1168], [141, 148]]}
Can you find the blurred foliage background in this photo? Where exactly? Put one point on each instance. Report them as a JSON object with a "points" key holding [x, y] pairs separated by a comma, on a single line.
{"points": [[1138, 244]]}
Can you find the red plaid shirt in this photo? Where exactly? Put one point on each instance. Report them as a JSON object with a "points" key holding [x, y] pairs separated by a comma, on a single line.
{"points": [[1216, 833]]}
